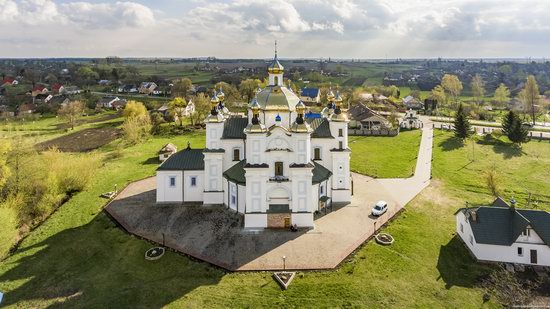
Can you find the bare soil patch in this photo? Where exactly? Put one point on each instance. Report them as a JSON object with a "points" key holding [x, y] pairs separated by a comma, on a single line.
{"points": [[82, 141]]}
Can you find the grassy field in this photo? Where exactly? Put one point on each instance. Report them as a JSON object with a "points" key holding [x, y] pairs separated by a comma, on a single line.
{"points": [[385, 157], [79, 258]]}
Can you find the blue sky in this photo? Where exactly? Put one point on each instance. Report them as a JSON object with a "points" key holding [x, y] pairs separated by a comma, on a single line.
{"points": [[247, 28]]}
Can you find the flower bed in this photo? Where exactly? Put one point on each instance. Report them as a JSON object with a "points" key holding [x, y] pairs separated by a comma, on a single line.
{"points": [[384, 239], [154, 253]]}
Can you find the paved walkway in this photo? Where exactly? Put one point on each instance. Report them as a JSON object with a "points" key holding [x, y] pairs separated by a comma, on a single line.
{"points": [[214, 234]]}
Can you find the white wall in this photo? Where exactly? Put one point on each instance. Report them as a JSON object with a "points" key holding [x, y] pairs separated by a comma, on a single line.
{"points": [[255, 220], [507, 254], [193, 194], [165, 193], [302, 219], [242, 199]]}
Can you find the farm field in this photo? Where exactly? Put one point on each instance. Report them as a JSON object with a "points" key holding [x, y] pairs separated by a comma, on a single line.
{"points": [[79, 258]]}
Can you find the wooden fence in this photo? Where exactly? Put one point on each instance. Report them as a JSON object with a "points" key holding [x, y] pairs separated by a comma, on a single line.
{"points": [[381, 132]]}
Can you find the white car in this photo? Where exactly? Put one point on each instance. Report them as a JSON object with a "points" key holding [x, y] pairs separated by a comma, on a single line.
{"points": [[380, 208]]}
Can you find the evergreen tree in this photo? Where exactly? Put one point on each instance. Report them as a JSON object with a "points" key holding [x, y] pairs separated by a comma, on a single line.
{"points": [[462, 124], [518, 132], [508, 122], [512, 127]]}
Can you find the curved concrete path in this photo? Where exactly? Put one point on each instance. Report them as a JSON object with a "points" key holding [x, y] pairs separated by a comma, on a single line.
{"points": [[215, 235]]}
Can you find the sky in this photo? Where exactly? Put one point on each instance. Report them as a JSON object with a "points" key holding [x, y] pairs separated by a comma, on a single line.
{"points": [[366, 29]]}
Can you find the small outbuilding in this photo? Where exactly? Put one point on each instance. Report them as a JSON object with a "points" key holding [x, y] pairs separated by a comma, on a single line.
{"points": [[411, 120], [166, 151]]}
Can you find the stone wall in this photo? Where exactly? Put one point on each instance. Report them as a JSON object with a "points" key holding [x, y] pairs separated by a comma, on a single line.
{"points": [[277, 220]]}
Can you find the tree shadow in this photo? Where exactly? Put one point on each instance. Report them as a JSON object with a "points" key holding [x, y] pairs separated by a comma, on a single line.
{"points": [[457, 267], [506, 149], [451, 143], [99, 266]]}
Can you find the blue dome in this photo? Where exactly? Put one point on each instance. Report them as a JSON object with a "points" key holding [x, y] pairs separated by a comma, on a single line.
{"points": [[278, 118]]}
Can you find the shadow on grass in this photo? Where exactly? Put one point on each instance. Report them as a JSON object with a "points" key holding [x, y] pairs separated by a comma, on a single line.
{"points": [[99, 266], [457, 267], [451, 143], [507, 150]]}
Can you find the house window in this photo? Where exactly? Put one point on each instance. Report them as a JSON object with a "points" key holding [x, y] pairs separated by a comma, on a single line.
{"points": [[520, 251], [322, 190], [317, 153], [340, 132], [278, 168], [461, 228], [471, 239], [193, 181], [236, 154], [341, 145], [233, 200], [172, 181]]}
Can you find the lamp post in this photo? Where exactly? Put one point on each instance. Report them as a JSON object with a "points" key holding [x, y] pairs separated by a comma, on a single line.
{"points": [[284, 262]]}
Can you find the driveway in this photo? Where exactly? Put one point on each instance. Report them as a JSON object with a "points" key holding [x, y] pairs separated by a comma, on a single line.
{"points": [[214, 234]]}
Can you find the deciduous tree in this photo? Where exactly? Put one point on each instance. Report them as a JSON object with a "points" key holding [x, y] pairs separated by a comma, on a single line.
{"points": [[531, 96], [177, 108], [502, 95], [248, 88], [71, 112], [452, 85], [478, 88], [182, 87]]}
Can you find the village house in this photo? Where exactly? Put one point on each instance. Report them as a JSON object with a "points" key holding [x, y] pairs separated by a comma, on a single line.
{"points": [[364, 118], [70, 90], [109, 102], [26, 108], [410, 120], [166, 151], [39, 89], [147, 88], [310, 96], [503, 233], [9, 81], [291, 167], [127, 89], [57, 88], [411, 102]]}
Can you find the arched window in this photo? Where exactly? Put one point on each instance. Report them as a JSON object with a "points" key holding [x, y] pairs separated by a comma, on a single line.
{"points": [[276, 80]]}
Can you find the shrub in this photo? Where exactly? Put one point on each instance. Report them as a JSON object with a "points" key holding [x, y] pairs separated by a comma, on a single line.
{"points": [[8, 228]]}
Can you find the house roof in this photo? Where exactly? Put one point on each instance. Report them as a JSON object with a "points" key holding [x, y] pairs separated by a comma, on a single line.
{"points": [[38, 87], [320, 126], [8, 80], [277, 98], [168, 148], [236, 173], [361, 111], [187, 159], [56, 86], [233, 128], [502, 226], [310, 92], [320, 173]]}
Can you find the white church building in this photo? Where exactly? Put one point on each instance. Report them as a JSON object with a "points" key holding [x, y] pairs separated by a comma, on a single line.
{"points": [[274, 166]]}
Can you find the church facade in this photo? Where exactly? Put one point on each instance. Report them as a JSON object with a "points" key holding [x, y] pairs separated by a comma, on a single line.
{"points": [[275, 166]]}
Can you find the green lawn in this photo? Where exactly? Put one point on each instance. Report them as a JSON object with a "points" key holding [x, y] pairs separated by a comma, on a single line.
{"points": [[79, 258], [385, 157]]}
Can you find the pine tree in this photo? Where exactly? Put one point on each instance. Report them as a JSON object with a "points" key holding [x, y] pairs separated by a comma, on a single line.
{"points": [[518, 132], [462, 124], [508, 122], [512, 127]]}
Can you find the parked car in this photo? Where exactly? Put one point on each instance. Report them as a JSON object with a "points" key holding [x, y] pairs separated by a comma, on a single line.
{"points": [[380, 208]]}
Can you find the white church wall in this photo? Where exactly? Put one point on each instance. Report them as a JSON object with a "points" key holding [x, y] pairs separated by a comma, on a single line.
{"points": [[302, 219], [229, 145], [255, 220], [242, 198], [167, 192], [193, 193]]}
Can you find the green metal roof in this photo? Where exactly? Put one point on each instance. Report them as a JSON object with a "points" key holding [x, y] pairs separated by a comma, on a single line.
{"points": [[187, 160], [503, 225], [320, 126], [233, 128], [236, 173], [320, 173]]}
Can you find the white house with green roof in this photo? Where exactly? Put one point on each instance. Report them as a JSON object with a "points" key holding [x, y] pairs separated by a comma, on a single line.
{"points": [[274, 166], [503, 233]]}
